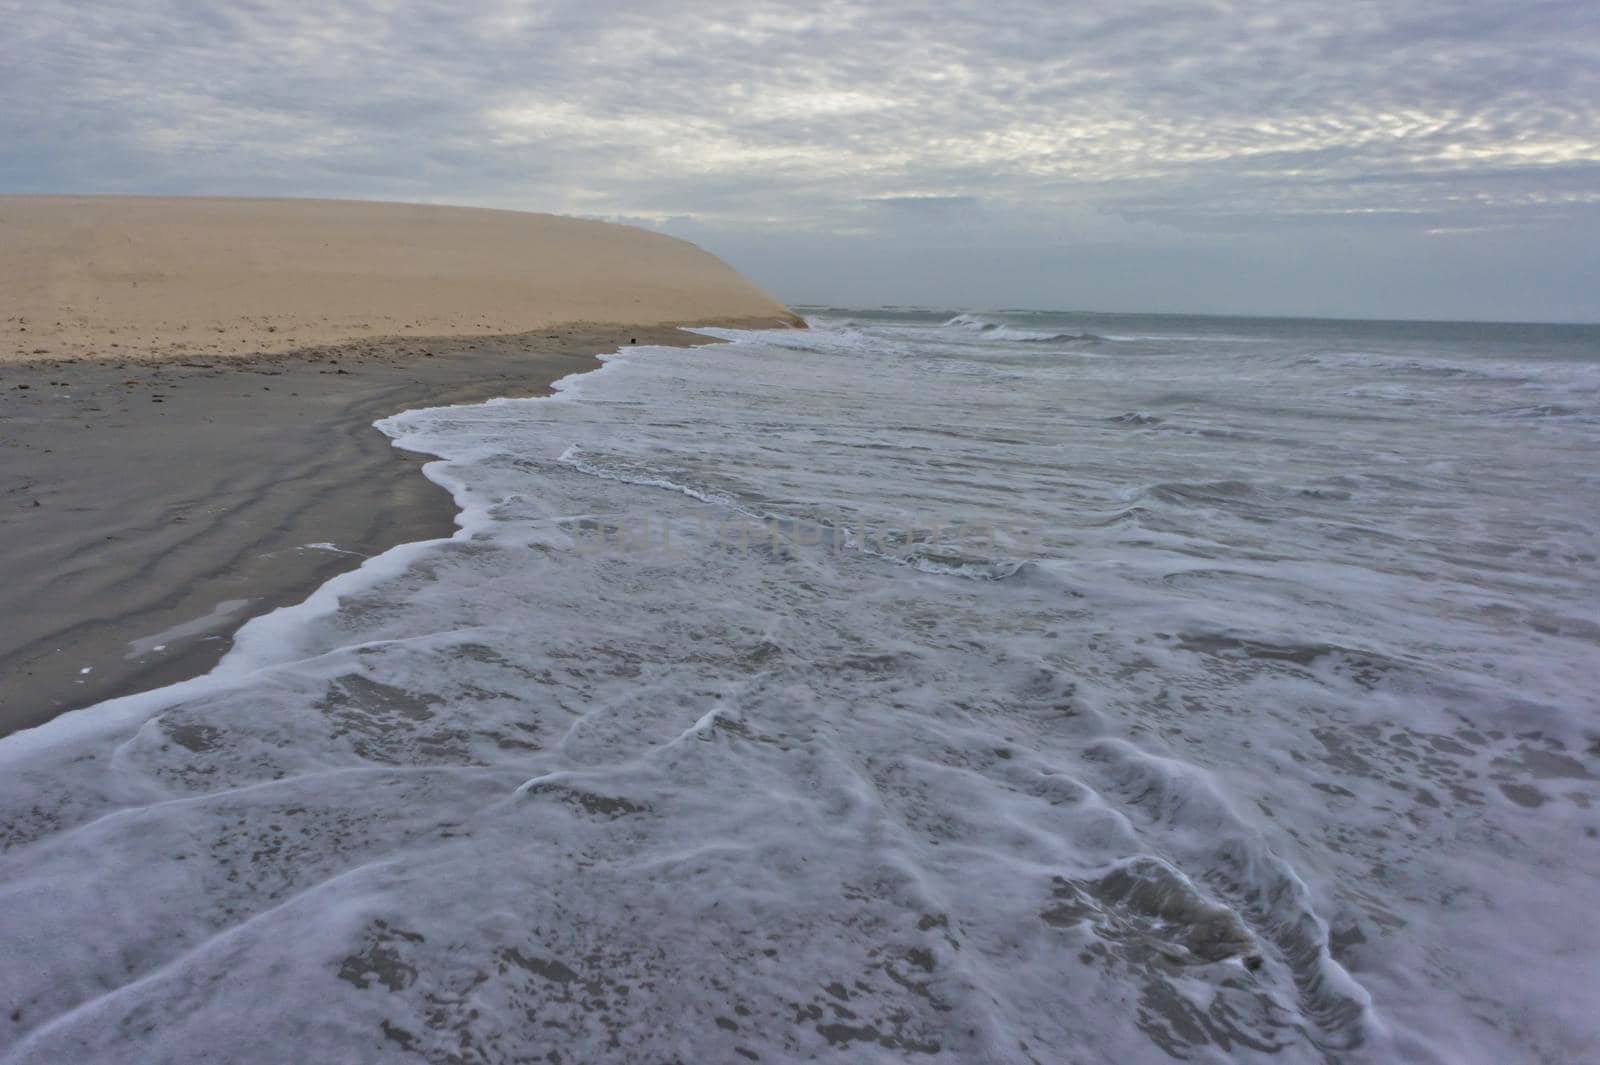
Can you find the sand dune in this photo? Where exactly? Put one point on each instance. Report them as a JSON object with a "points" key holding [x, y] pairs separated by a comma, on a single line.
{"points": [[151, 278]]}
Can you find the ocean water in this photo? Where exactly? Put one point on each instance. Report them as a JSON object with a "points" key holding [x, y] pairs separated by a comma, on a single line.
{"points": [[1008, 688]]}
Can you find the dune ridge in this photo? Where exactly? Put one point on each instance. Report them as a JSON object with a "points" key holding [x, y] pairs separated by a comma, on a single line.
{"points": [[159, 279]]}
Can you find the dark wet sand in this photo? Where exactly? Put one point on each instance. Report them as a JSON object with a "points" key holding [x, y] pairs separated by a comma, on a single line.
{"points": [[141, 499]]}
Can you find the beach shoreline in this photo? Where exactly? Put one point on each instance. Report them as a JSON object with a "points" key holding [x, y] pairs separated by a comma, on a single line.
{"points": [[151, 509], [188, 388]]}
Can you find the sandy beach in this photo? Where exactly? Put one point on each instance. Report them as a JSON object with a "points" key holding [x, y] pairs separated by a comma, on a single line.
{"points": [[192, 444]]}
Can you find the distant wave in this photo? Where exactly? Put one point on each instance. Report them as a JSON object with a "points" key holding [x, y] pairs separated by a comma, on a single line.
{"points": [[1001, 331], [1415, 366]]}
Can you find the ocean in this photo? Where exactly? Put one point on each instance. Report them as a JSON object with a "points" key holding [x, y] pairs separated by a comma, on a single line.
{"points": [[936, 686]]}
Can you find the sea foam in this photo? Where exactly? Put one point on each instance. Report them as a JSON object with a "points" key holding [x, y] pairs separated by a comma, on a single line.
{"points": [[1273, 744]]}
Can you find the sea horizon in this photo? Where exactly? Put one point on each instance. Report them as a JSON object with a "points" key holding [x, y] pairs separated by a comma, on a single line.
{"points": [[952, 311]]}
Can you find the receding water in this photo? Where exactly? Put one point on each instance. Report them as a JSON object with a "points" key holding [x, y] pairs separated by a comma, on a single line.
{"points": [[1010, 687]]}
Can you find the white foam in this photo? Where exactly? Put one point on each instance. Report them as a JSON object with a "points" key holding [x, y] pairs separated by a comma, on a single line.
{"points": [[1288, 671]]}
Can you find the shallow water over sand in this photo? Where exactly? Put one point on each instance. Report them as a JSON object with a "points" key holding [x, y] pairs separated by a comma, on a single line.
{"points": [[1007, 687]]}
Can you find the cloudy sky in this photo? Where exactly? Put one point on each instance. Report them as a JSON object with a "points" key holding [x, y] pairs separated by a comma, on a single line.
{"points": [[1409, 158]]}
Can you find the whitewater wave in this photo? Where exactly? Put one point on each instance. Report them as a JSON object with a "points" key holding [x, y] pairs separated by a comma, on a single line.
{"points": [[1277, 674], [1001, 331]]}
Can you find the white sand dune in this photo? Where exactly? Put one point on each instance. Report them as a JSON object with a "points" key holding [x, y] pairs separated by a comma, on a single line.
{"points": [[155, 278]]}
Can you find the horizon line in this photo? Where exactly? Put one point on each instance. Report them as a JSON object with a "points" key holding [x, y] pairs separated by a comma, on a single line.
{"points": [[1195, 314]]}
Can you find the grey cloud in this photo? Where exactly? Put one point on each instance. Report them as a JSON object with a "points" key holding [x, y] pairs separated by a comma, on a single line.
{"points": [[928, 207], [917, 137]]}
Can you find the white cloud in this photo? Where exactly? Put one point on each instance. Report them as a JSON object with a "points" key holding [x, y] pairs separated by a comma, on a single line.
{"points": [[1200, 118]]}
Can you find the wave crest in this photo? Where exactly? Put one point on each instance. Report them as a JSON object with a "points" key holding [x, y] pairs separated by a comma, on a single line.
{"points": [[992, 330]]}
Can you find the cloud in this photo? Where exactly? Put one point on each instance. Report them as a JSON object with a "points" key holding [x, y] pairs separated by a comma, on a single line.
{"points": [[1140, 124]]}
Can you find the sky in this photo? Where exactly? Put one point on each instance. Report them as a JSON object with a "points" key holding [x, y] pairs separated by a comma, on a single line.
{"points": [[1410, 159]]}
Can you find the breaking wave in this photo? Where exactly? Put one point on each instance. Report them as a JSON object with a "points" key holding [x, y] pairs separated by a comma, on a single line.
{"points": [[1001, 331]]}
